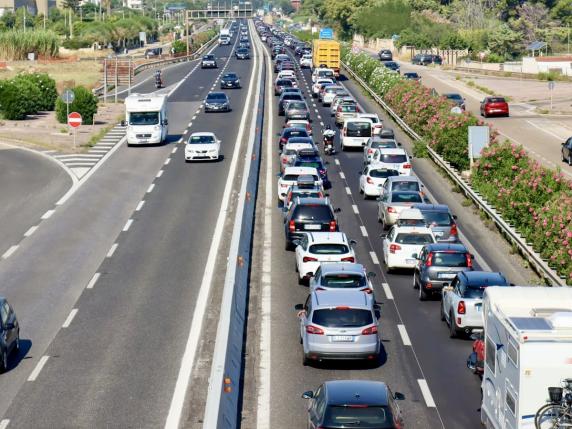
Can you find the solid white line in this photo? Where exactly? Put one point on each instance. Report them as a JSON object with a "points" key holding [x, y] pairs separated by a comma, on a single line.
{"points": [[174, 149], [355, 209], [387, 290], [374, 258], [140, 205], [68, 321], [38, 368], [160, 173], [556, 136], [31, 231], [200, 303], [93, 280], [10, 251], [404, 335], [127, 225], [48, 214], [426, 393], [167, 161], [112, 250], [151, 187], [337, 161], [342, 175], [363, 230], [4, 423], [348, 190]]}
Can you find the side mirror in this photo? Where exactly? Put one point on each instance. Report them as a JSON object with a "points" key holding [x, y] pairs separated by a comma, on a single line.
{"points": [[455, 217], [371, 275], [124, 124], [353, 242], [448, 289], [337, 210], [166, 122], [10, 326], [398, 396], [415, 256], [472, 256], [308, 395], [511, 284], [398, 144], [326, 195], [299, 307]]}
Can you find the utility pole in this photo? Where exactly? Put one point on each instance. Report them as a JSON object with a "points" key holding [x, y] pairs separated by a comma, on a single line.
{"points": [[25, 7], [568, 26], [187, 31]]}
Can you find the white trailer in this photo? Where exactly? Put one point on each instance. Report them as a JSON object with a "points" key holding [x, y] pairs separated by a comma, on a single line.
{"points": [[146, 119], [528, 348]]}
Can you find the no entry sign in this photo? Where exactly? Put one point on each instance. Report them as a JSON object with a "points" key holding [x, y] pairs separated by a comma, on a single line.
{"points": [[74, 119]]}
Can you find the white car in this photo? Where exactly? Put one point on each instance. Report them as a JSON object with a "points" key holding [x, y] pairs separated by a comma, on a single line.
{"points": [[376, 142], [330, 93], [377, 123], [403, 243], [323, 72], [306, 61], [299, 123], [356, 132], [202, 147], [286, 74], [316, 247], [395, 159], [290, 152], [316, 85], [372, 179], [290, 177]]}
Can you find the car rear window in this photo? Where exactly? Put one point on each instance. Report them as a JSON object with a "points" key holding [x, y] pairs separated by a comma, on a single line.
{"points": [[384, 144], [342, 318], [497, 100], [297, 105], [382, 173], [299, 132], [344, 280], [284, 82], [449, 259], [363, 417], [326, 73], [306, 194], [313, 212], [349, 108], [435, 218], [406, 186], [358, 129], [416, 239], [405, 197], [328, 249], [393, 158], [314, 164]]}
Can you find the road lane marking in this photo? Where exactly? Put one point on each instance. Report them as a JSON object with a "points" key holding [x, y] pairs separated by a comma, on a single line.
{"points": [[363, 230], [10, 251], [374, 258], [337, 161], [31, 231], [127, 225], [556, 136], [70, 318], [93, 281], [140, 205], [355, 209], [150, 188], [38, 368], [404, 335], [47, 214], [174, 149], [4, 423], [342, 175], [387, 290], [167, 161], [112, 250], [426, 393], [159, 174], [348, 190], [321, 125]]}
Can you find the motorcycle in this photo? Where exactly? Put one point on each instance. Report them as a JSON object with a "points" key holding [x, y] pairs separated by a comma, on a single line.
{"points": [[158, 82], [329, 144]]}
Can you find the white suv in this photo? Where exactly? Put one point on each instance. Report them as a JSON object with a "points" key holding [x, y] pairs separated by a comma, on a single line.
{"points": [[290, 177], [402, 245], [396, 159], [306, 61]]}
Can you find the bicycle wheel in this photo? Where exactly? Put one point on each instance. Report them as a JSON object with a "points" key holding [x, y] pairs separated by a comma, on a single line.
{"points": [[541, 411], [553, 416]]}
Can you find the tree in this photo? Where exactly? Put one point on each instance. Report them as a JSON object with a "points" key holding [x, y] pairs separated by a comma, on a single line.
{"points": [[341, 11], [563, 11], [503, 41], [382, 20], [532, 17]]}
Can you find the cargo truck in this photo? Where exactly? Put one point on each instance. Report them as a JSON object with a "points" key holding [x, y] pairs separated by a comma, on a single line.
{"points": [[326, 53]]}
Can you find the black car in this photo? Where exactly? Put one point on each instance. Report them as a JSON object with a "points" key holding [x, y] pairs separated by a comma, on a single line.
{"points": [[566, 151], [9, 333], [153, 52], [456, 98], [242, 54], [425, 59], [392, 65], [370, 403], [229, 80], [209, 62], [289, 132], [412, 76], [385, 55], [286, 97], [217, 102], [316, 162], [309, 211]]}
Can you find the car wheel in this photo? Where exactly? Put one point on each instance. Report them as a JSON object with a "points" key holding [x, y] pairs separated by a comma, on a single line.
{"points": [[415, 281], [301, 281], [485, 115], [16, 350], [3, 362], [343, 147], [422, 294], [570, 159], [288, 246], [305, 360], [441, 312], [562, 156], [453, 332]]}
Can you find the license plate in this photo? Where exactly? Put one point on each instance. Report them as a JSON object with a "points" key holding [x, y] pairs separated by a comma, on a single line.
{"points": [[143, 141], [342, 338], [410, 261], [313, 227], [438, 233], [446, 275]]}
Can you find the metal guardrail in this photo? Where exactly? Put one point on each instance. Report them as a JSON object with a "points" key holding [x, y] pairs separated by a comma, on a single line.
{"points": [[539, 265]]}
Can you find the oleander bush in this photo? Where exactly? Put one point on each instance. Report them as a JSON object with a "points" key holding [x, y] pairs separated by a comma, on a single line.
{"points": [[85, 103], [47, 88]]}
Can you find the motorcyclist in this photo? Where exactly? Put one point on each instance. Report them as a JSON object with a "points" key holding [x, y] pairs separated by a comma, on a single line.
{"points": [[158, 79], [329, 136]]}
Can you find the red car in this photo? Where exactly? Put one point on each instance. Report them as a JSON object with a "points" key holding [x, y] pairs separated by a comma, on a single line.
{"points": [[494, 106]]}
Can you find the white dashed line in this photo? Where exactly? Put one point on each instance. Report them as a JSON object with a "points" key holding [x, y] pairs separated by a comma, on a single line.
{"points": [[181, 139], [342, 175], [193, 118], [348, 190], [316, 110], [337, 161], [127, 225], [112, 250], [10, 251], [355, 209], [167, 161], [387, 290], [363, 230], [426, 393], [68, 321], [48, 214], [151, 187], [38, 368], [160, 173], [404, 335], [4, 423], [93, 281], [319, 117], [321, 125], [31, 231], [374, 258], [174, 149], [140, 205]]}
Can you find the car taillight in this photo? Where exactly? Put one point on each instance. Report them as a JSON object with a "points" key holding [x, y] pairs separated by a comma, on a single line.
{"points": [[339, 109], [311, 329], [469, 260], [283, 139], [394, 247], [348, 259], [333, 226], [377, 126], [461, 309], [369, 151], [454, 230], [357, 109], [322, 172], [369, 180], [292, 226], [429, 260], [406, 165], [369, 331], [309, 259], [391, 210]]}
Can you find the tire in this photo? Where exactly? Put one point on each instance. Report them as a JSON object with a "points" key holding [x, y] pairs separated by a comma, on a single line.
{"points": [[453, 333], [422, 294], [288, 246], [415, 281], [3, 362], [305, 360], [441, 312], [343, 147], [570, 159], [550, 416]]}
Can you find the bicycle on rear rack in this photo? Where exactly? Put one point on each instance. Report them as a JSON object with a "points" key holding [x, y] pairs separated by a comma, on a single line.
{"points": [[557, 413]]}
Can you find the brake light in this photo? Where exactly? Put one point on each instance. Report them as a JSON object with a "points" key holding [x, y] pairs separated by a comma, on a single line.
{"points": [[391, 210], [309, 259], [369, 331], [367, 290], [461, 309], [311, 329], [322, 172], [406, 165], [454, 230], [369, 180], [370, 151], [429, 261], [283, 139], [342, 307], [333, 226], [339, 109], [394, 247], [292, 226], [348, 259], [469, 260]]}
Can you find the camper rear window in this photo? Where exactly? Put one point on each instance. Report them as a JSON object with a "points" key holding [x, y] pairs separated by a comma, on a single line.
{"points": [[490, 355], [143, 118]]}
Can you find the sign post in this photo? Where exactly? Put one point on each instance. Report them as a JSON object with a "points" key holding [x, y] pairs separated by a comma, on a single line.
{"points": [[551, 85], [74, 121], [478, 139]]}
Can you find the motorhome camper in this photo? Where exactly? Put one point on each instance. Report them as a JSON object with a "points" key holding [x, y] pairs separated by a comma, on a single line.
{"points": [[146, 119]]}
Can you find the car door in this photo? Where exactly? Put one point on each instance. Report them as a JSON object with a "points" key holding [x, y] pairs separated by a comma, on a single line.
{"points": [[448, 297], [304, 316], [567, 148]]}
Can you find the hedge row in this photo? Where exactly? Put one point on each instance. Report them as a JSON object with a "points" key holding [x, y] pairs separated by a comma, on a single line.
{"points": [[27, 94], [536, 200]]}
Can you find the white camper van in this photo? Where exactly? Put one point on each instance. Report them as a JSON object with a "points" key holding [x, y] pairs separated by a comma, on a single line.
{"points": [[146, 119], [528, 348]]}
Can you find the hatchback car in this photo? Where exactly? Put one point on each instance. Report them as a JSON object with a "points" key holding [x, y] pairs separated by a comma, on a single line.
{"points": [[208, 62], [293, 147], [329, 92], [309, 215], [346, 111], [298, 191], [494, 106], [566, 151], [441, 221], [285, 98], [338, 99], [456, 98], [9, 334], [341, 276], [296, 110], [402, 183], [242, 53], [306, 61], [356, 132], [395, 159], [202, 147], [322, 72], [391, 204], [317, 85], [392, 66], [412, 76], [290, 177], [313, 159], [372, 179], [402, 245], [217, 102], [437, 265], [385, 55], [377, 142], [374, 118], [371, 403], [229, 80], [288, 133], [338, 324], [299, 123]]}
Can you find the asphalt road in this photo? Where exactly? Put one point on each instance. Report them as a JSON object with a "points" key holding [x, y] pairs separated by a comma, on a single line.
{"points": [[31, 185], [112, 348]]}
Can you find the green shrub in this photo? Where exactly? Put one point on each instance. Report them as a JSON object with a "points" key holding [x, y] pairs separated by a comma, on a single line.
{"points": [[85, 103], [30, 94], [47, 87], [179, 46], [76, 43], [16, 44], [12, 105]]}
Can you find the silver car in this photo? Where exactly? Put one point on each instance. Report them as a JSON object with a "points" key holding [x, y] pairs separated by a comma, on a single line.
{"points": [[339, 99], [441, 221], [339, 324], [391, 204], [377, 142], [401, 183], [297, 110]]}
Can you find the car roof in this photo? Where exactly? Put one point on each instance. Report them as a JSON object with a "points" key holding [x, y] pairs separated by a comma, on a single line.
{"points": [[431, 207], [341, 267], [341, 298], [298, 145], [202, 133], [393, 151], [326, 237], [411, 214], [290, 129], [413, 229], [477, 278], [356, 392], [218, 93], [314, 202], [443, 247], [403, 179], [358, 119], [300, 170]]}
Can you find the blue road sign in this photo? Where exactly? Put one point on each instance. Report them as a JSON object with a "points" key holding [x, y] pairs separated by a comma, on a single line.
{"points": [[326, 33]]}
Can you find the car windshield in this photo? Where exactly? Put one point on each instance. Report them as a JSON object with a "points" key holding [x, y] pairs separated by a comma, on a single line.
{"points": [[406, 186], [342, 317], [415, 239], [216, 97], [326, 73], [143, 118], [450, 259], [242, 50], [393, 158], [297, 105], [358, 129], [313, 212], [437, 218], [383, 173], [328, 249], [344, 280], [363, 417], [299, 132], [384, 144], [230, 76], [201, 139], [405, 197], [284, 82], [208, 57]]}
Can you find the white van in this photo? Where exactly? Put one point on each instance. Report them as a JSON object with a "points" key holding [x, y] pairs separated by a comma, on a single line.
{"points": [[356, 132], [146, 119]]}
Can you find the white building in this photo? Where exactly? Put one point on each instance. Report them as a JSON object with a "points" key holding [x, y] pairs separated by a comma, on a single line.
{"points": [[133, 4]]}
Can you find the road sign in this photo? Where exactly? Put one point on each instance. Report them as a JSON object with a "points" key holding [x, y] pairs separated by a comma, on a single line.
{"points": [[551, 85], [326, 33], [355, 49], [68, 96], [74, 119]]}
